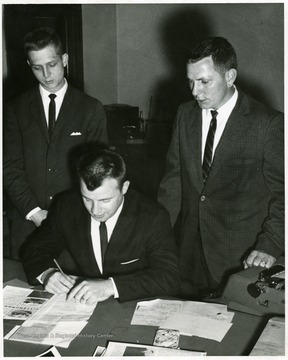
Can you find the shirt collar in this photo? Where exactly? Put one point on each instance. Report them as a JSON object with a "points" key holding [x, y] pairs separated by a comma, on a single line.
{"points": [[226, 109]]}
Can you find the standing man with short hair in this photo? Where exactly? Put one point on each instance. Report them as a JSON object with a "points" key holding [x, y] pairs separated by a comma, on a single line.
{"points": [[224, 181], [42, 129], [116, 241]]}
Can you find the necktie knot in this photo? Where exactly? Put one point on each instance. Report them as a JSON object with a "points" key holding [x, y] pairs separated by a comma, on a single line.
{"points": [[214, 114], [52, 96]]}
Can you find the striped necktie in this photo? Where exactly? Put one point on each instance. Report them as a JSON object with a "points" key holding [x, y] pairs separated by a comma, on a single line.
{"points": [[207, 160]]}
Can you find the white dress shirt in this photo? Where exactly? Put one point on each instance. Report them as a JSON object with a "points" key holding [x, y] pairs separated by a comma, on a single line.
{"points": [[95, 234], [58, 100], [223, 115]]}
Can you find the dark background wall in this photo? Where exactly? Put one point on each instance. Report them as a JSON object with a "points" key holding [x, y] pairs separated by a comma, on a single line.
{"points": [[133, 54], [147, 43]]}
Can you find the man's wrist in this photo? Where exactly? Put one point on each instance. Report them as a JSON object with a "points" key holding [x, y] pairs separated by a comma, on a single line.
{"points": [[32, 212], [43, 276]]}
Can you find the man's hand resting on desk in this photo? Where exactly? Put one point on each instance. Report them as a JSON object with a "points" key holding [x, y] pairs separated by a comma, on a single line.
{"points": [[91, 291], [57, 283], [259, 258]]}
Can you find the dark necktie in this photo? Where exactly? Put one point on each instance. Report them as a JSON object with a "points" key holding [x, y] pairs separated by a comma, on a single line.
{"points": [[207, 159], [52, 114], [103, 240]]}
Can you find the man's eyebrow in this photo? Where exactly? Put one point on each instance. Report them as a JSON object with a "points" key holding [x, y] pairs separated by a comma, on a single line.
{"points": [[108, 198]]}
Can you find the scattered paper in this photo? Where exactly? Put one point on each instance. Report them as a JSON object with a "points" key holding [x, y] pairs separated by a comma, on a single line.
{"points": [[51, 352], [60, 334], [192, 318], [272, 339], [48, 319], [208, 310], [99, 351], [193, 325], [59, 310], [21, 303], [126, 349], [155, 312]]}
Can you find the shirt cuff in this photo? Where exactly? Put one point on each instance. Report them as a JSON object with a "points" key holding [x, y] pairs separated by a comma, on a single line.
{"points": [[39, 278], [32, 212], [116, 294]]}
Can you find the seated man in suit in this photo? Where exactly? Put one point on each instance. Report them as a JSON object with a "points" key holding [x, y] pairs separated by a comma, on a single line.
{"points": [[132, 232]]}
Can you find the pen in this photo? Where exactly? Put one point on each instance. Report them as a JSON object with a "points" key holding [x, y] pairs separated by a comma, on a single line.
{"points": [[62, 272], [59, 267]]}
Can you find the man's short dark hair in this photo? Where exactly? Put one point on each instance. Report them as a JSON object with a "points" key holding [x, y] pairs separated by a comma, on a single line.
{"points": [[94, 168], [40, 38], [222, 52]]}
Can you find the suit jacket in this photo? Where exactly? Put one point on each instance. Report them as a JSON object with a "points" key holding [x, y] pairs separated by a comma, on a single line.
{"points": [[141, 254], [35, 167], [241, 207]]}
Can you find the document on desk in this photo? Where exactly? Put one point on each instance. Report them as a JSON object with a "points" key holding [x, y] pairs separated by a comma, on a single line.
{"points": [[59, 310], [21, 303], [272, 340], [128, 349], [201, 319], [155, 312], [57, 321], [60, 334], [197, 325]]}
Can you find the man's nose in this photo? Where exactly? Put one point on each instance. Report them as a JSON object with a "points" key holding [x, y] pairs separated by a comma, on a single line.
{"points": [[195, 89], [46, 72], [95, 208]]}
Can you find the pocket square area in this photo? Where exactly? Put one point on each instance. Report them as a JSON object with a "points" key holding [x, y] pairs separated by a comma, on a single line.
{"points": [[75, 133], [129, 262]]}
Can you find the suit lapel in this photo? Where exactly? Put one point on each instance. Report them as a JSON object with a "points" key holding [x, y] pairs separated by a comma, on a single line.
{"points": [[235, 127], [37, 113], [121, 229], [66, 114], [85, 241]]}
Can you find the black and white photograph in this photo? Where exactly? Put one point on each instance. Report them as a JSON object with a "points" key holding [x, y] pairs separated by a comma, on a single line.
{"points": [[143, 167]]}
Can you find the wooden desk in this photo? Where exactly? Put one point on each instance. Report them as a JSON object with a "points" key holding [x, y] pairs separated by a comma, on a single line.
{"points": [[111, 322]]}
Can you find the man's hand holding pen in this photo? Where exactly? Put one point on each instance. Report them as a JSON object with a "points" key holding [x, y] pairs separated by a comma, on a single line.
{"points": [[56, 282], [88, 291]]}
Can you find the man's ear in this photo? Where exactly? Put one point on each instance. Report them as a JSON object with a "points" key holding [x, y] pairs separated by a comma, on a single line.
{"points": [[125, 187], [230, 77], [65, 58], [28, 62]]}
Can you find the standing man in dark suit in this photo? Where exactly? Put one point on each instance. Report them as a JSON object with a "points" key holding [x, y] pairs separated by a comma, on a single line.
{"points": [[42, 129], [117, 242], [224, 181]]}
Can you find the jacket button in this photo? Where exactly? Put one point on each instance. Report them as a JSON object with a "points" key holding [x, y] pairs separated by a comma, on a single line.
{"points": [[50, 197], [203, 198]]}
